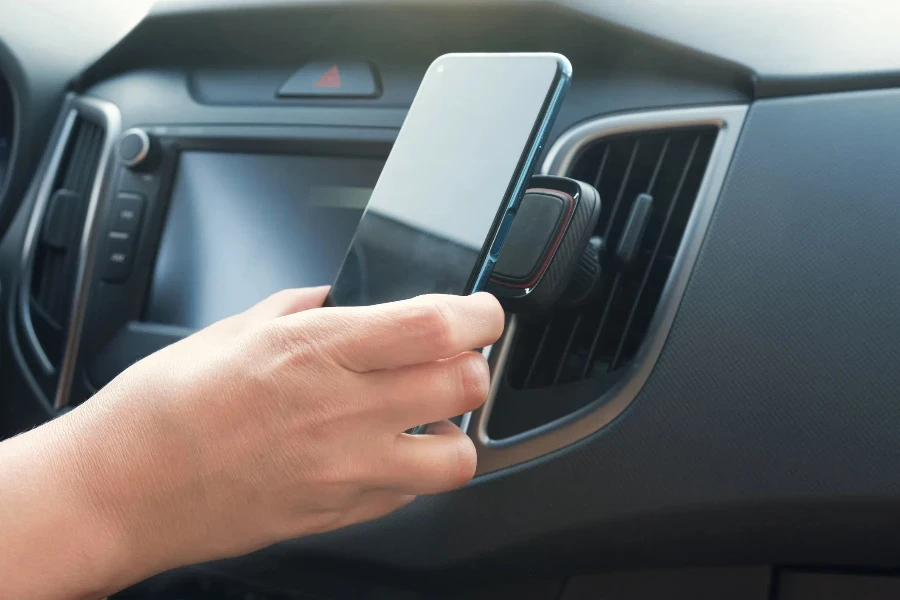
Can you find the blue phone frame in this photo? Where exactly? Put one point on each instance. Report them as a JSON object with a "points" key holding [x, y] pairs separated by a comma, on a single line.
{"points": [[499, 230]]}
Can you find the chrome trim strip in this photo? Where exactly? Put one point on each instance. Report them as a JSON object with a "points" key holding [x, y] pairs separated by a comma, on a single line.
{"points": [[107, 115], [494, 455]]}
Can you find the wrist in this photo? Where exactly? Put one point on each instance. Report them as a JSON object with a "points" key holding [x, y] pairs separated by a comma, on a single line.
{"points": [[57, 542], [88, 492], [128, 462]]}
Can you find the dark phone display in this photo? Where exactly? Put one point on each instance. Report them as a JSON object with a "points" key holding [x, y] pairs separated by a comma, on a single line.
{"points": [[447, 178]]}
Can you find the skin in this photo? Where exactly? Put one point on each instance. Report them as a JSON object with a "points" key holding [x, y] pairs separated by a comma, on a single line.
{"points": [[283, 421]]}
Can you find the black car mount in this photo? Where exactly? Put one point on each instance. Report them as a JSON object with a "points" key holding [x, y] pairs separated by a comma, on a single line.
{"points": [[550, 258]]}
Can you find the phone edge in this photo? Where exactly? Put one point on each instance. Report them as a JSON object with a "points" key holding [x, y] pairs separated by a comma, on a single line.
{"points": [[562, 79]]}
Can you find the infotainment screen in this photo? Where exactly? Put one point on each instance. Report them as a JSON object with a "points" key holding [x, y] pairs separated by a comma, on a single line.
{"points": [[242, 226]]}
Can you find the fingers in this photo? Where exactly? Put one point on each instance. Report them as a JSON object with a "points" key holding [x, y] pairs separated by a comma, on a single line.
{"points": [[429, 392], [441, 460], [288, 302], [409, 332]]}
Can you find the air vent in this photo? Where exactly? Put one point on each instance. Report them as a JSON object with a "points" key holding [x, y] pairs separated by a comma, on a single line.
{"points": [[657, 170], [55, 264]]}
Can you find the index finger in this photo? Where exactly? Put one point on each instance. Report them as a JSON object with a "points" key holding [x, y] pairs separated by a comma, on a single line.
{"points": [[408, 332]]}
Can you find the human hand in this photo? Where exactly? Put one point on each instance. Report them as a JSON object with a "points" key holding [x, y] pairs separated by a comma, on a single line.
{"points": [[277, 423]]}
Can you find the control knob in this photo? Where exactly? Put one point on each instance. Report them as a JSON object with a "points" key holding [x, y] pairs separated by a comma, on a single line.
{"points": [[135, 148]]}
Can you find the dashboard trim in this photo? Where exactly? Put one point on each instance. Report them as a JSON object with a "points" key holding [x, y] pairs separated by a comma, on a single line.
{"points": [[108, 114], [114, 309], [494, 455]]}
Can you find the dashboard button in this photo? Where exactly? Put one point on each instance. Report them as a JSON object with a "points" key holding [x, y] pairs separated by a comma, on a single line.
{"points": [[331, 80], [127, 212], [118, 256]]}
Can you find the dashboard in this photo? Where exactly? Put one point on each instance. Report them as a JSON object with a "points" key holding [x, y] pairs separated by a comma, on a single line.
{"points": [[719, 421]]}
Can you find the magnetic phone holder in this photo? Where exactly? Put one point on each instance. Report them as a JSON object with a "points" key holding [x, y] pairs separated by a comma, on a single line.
{"points": [[549, 258]]}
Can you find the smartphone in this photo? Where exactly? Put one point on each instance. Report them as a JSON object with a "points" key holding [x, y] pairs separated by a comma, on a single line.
{"points": [[441, 209]]}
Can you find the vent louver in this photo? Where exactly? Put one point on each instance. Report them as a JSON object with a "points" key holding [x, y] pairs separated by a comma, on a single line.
{"points": [[55, 263], [596, 341]]}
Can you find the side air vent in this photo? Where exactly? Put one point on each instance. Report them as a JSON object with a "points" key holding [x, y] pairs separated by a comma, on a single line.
{"points": [[659, 171], [564, 376], [59, 237], [648, 181]]}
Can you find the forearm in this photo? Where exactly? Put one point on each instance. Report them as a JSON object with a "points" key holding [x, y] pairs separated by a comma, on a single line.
{"points": [[266, 426], [55, 542]]}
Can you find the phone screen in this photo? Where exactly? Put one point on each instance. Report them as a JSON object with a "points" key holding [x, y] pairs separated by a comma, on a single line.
{"points": [[450, 177]]}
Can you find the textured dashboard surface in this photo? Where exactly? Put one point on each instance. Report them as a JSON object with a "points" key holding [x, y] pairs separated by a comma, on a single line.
{"points": [[768, 430]]}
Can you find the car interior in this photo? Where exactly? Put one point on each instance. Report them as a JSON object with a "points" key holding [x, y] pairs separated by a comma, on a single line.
{"points": [[717, 419]]}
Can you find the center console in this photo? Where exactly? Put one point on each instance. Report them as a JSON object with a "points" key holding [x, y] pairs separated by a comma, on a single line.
{"points": [[196, 223], [209, 222]]}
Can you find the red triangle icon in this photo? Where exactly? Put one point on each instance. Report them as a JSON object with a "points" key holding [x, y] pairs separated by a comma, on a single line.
{"points": [[331, 78]]}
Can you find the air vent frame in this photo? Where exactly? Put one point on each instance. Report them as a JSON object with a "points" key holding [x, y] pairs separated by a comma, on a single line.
{"points": [[494, 455], [107, 116]]}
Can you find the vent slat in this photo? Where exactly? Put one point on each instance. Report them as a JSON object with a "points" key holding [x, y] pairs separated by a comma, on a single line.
{"points": [[564, 356], [91, 171], [85, 159], [597, 340], [621, 193], [537, 354], [616, 361], [80, 158], [76, 158], [592, 353], [43, 285], [659, 163], [57, 273], [602, 167]]}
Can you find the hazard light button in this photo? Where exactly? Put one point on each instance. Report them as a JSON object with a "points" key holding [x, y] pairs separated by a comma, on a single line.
{"points": [[332, 79]]}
